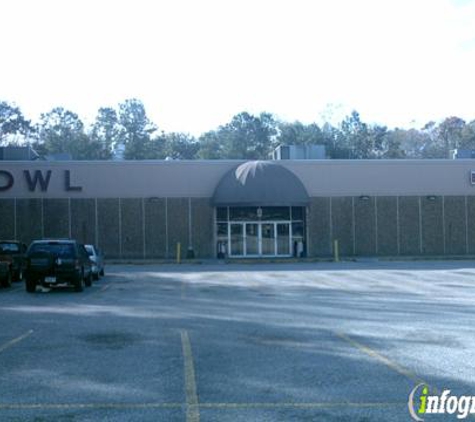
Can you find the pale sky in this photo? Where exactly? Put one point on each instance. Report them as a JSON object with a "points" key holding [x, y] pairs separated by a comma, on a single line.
{"points": [[196, 63]]}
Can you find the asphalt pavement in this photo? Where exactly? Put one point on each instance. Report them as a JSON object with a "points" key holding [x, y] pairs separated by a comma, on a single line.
{"points": [[264, 342]]}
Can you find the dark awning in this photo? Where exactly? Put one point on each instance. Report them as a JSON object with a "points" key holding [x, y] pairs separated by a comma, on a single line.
{"points": [[260, 183]]}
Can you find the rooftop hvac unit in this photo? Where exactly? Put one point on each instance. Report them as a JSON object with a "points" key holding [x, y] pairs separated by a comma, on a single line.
{"points": [[299, 152]]}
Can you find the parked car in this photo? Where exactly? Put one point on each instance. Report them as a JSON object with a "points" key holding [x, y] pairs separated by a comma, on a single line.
{"points": [[5, 274], [13, 252], [56, 262], [97, 258]]}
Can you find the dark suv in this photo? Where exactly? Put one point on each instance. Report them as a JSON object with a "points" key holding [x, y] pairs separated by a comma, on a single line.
{"points": [[13, 253], [51, 263]]}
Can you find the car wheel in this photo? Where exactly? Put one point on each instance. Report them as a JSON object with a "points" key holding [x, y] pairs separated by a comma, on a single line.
{"points": [[7, 281], [79, 285], [88, 280], [30, 285]]}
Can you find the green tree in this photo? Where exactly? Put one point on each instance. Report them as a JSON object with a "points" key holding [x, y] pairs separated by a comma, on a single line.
{"points": [[180, 146], [297, 133], [432, 147], [450, 132], [61, 131], [12, 123], [378, 143], [106, 131], [356, 136], [334, 141], [392, 144], [210, 146], [136, 130], [156, 147], [468, 136], [248, 136], [410, 142]]}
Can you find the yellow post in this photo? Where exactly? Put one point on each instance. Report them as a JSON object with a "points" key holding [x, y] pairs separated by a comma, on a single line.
{"points": [[178, 252], [336, 251]]}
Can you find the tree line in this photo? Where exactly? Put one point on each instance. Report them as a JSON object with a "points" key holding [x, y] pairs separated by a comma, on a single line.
{"points": [[246, 136]]}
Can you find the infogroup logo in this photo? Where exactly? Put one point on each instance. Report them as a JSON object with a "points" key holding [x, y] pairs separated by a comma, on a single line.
{"points": [[422, 403]]}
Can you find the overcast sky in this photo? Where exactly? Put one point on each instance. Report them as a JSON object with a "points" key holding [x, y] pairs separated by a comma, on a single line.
{"points": [[196, 63]]}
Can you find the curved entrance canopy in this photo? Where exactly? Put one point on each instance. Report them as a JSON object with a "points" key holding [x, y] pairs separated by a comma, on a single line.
{"points": [[260, 183]]}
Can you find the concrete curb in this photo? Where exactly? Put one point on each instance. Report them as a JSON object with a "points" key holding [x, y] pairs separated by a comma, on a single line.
{"points": [[256, 261]]}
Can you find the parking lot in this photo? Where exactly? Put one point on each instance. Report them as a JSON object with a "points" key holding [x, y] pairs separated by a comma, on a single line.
{"points": [[280, 342]]}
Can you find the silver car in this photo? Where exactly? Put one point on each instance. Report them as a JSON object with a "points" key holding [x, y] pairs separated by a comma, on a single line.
{"points": [[97, 259]]}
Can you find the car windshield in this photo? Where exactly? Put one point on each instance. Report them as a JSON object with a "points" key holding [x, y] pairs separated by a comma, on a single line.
{"points": [[7, 248], [57, 249], [90, 250]]}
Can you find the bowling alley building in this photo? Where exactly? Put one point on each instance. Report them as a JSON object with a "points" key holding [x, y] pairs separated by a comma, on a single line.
{"points": [[244, 209]]}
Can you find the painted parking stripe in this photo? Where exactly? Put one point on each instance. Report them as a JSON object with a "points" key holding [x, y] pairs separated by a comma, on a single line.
{"points": [[383, 359], [311, 405], [46, 406], [94, 293], [11, 343], [103, 289], [192, 405]]}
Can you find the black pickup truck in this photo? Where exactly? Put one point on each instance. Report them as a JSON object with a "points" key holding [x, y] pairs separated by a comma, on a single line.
{"points": [[12, 253], [57, 262]]}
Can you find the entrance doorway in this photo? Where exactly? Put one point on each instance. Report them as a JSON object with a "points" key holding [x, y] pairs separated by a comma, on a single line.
{"points": [[254, 239], [259, 232]]}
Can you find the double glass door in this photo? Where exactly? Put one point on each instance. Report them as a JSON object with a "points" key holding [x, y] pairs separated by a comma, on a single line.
{"points": [[260, 239]]}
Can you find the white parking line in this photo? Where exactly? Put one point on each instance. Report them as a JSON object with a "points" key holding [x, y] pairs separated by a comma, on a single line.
{"points": [[32, 406], [94, 293], [310, 405], [192, 405], [11, 343], [103, 289], [382, 359], [283, 405]]}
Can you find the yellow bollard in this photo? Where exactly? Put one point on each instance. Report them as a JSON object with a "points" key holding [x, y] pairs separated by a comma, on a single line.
{"points": [[336, 252], [178, 252]]}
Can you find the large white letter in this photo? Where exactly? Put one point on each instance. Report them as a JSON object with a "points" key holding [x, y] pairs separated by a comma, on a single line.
{"points": [[464, 406], [452, 404], [432, 404], [443, 399]]}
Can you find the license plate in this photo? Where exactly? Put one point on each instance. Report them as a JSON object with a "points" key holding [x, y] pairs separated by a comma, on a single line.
{"points": [[50, 279]]}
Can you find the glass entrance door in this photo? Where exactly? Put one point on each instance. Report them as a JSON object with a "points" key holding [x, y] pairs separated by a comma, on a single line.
{"points": [[268, 238], [237, 239], [252, 239], [260, 231], [256, 239], [283, 239]]}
